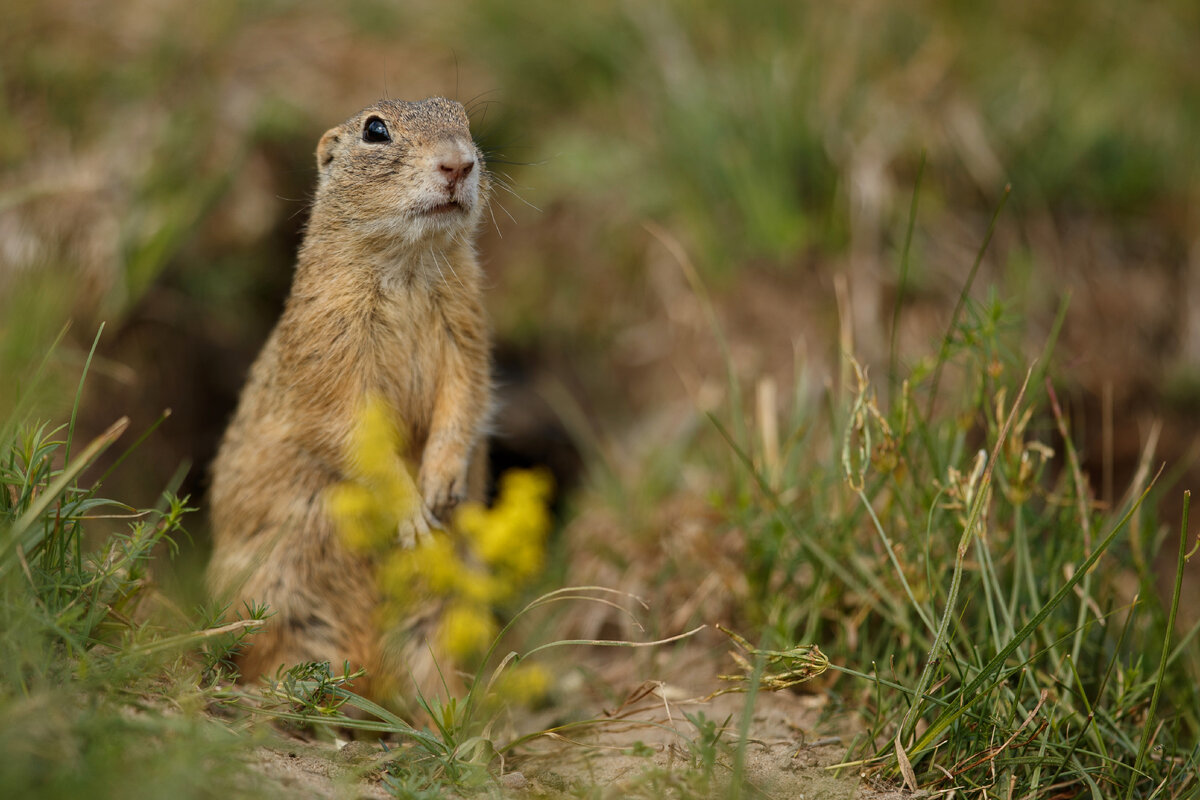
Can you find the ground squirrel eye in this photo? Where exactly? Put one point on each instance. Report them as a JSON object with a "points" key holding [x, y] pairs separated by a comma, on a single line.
{"points": [[376, 131]]}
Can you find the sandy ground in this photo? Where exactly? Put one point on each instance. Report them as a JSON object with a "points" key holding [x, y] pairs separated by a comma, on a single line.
{"points": [[643, 746], [785, 757], [645, 755], [306, 770]]}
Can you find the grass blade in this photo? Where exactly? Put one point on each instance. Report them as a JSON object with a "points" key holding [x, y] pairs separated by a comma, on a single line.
{"points": [[87, 365], [972, 694], [944, 352], [939, 641], [1166, 649], [52, 492], [893, 376]]}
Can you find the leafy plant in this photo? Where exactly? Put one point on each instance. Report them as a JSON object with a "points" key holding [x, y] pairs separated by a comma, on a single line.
{"points": [[710, 743], [84, 698]]}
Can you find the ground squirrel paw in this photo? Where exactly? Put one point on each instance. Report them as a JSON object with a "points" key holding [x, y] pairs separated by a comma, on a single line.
{"points": [[416, 528], [442, 497]]}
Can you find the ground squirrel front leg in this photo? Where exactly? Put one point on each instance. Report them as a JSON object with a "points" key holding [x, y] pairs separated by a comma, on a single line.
{"points": [[444, 468], [455, 429]]}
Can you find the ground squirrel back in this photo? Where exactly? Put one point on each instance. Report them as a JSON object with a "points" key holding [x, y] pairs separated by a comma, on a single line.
{"points": [[387, 303]]}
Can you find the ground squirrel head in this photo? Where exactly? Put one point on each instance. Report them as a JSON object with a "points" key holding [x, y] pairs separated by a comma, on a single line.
{"points": [[403, 171]]}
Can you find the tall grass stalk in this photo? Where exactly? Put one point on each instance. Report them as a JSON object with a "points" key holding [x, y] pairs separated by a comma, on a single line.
{"points": [[1151, 718], [944, 350], [893, 374], [969, 532]]}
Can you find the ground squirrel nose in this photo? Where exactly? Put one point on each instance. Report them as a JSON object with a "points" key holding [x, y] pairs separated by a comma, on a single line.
{"points": [[454, 168]]}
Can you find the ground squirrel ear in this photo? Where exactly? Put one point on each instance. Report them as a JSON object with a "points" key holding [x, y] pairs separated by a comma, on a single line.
{"points": [[325, 148]]}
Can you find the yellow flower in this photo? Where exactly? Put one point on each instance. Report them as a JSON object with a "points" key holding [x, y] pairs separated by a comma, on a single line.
{"points": [[351, 507], [499, 549], [466, 630], [523, 683], [368, 507], [510, 538]]}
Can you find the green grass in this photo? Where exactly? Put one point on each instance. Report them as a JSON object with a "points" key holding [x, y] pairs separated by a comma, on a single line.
{"points": [[1002, 629], [95, 697]]}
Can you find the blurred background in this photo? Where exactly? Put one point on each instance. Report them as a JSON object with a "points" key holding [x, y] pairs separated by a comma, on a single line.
{"points": [[156, 161]]}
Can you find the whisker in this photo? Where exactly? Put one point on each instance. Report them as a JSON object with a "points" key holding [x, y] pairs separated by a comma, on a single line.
{"points": [[496, 225], [476, 103], [505, 178], [478, 100], [505, 210], [498, 158], [300, 210], [513, 192], [453, 271], [433, 255]]}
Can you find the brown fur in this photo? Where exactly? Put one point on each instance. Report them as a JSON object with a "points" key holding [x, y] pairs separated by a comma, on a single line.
{"points": [[386, 300]]}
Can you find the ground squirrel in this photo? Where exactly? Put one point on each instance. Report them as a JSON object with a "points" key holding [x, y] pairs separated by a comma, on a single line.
{"points": [[386, 302]]}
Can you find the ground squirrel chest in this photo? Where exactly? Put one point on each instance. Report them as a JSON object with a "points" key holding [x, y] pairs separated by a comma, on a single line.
{"points": [[386, 302]]}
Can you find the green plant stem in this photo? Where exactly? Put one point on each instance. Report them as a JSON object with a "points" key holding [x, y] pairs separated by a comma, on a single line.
{"points": [[1081, 502], [1147, 731], [887, 544], [1090, 707], [822, 555], [969, 530], [13, 537], [739, 756], [944, 351], [972, 692], [136, 444], [10, 425], [893, 377], [990, 591], [87, 364]]}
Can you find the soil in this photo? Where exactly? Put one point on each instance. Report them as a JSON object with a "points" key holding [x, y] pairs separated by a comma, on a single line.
{"points": [[310, 770], [640, 757], [641, 746], [784, 757]]}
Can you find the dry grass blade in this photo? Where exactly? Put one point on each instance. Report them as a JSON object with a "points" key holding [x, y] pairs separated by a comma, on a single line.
{"points": [[615, 643], [906, 768], [781, 669], [185, 640], [991, 753]]}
